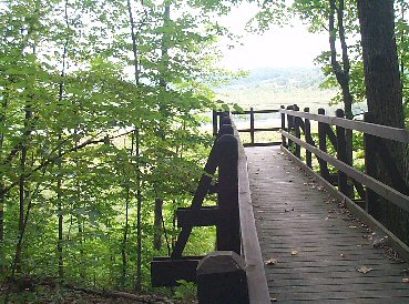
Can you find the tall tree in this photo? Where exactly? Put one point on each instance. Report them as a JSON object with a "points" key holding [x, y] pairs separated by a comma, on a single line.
{"points": [[384, 98]]}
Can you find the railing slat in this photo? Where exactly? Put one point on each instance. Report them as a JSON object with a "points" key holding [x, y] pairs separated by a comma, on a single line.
{"points": [[386, 132], [380, 188]]}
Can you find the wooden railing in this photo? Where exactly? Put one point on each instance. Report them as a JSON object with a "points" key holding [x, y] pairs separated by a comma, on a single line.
{"points": [[349, 182], [252, 130], [235, 272]]}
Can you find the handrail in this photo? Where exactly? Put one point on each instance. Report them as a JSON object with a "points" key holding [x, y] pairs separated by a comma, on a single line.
{"points": [[380, 188], [256, 277], [252, 129], [234, 273], [376, 150], [382, 131]]}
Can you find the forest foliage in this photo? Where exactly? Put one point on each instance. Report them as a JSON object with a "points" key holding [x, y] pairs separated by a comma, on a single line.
{"points": [[101, 105]]}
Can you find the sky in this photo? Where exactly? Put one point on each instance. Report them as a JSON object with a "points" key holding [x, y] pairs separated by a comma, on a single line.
{"points": [[291, 46]]}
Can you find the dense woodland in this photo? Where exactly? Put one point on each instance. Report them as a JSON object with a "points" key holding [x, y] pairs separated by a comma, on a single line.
{"points": [[102, 106]]}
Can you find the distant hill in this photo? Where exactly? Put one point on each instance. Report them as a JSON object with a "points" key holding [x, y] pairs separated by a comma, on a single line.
{"points": [[270, 87], [280, 78]]}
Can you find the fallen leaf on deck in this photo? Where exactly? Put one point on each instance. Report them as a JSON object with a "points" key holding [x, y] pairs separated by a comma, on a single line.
{"points": [[364, 269], [271, 261], [294, 252], [405, 280]]}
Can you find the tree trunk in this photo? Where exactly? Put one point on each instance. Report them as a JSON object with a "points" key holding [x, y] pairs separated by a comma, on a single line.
{"points": [[2, 195], [157, 225], [137, 133], [2, 252], [341, 70], [384, 98]]}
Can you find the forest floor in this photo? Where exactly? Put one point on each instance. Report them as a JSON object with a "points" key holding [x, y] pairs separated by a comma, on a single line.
{"points": [[32, 293]]}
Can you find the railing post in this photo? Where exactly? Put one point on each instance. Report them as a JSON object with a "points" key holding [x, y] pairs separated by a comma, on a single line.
{"points": [[308, 139], [322, 143], [221, 279], [222, 115], [342, 155], [252, 125], [283, 138], [290, 124], [297, 132], [371, 198], [215, 123], [228, 233]]}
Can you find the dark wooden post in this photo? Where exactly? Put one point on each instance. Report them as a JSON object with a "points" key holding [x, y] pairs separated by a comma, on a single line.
{"points": [[322, 143], [225, 129], [371, 198], [342, 155], [297, 132], [228, 233], [222, 115], [290, 120], [215, 123], [283, 139], [308, 139], [252, 125], [221, 279]]}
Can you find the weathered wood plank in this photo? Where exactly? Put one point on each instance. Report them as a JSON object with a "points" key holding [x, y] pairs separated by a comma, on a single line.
{"points": [[294, 214]]}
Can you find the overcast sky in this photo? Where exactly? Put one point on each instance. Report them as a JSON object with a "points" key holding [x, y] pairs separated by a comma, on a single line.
{"points": [[279, 47]]}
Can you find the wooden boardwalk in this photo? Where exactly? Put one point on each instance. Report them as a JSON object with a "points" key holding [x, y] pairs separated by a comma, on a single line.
{"points": [[317, 251]]}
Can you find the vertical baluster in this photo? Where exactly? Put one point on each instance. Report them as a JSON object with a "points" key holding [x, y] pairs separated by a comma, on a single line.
{"points": [[371, 198], [342, 154], [252, 125], [322, 143], [308, 139], [297, 129], [283, 139], [215, 123], [228, 233], [290, 120]]}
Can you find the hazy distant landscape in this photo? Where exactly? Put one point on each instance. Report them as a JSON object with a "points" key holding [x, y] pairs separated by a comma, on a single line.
{"points": [[267, 88]]}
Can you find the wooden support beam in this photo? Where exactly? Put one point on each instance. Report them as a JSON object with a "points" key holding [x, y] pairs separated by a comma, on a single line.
{"points": [[166, 271], [205, 216]]}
